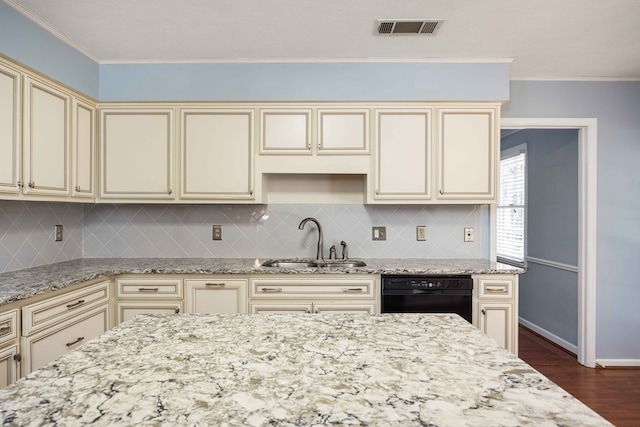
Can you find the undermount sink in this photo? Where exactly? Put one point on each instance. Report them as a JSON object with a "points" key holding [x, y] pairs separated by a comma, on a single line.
{"points": [[274, 263]]}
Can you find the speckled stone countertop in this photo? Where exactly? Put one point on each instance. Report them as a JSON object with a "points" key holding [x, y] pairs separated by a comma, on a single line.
{"points": [[292, 370], [22, 284]]}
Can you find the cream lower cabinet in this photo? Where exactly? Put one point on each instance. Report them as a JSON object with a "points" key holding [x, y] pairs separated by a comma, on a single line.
{"points": [[147, 295], [56, 325], [314, 294], [9, 348], [216, 295], [495, 298]]}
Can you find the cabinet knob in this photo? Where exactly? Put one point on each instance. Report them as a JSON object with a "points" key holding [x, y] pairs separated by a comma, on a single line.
{"points": [[177, 311], [78, 188], [20, 184], [170, 191], [32, 184], [484, 311], [441, 191]]}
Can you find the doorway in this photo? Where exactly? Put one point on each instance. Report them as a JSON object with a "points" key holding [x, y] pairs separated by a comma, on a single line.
{"points": [[587, 179]]}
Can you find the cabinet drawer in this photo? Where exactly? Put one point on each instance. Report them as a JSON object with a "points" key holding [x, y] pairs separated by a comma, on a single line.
{"points": [[216, 295], [49, 344], [149, 288], [495, 289], [8, 326], [38, 316], [130, 309], [312, 288]]}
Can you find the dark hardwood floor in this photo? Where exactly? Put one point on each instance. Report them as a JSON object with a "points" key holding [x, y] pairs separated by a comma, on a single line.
{"points": [[614, 393]]}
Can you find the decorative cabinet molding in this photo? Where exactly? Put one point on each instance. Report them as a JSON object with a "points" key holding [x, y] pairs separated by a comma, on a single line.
{"points": [[343, 130], [285, 131], [10, 129], [217, 154], [136, 149], [46, 139], [83, 144], [221, 294]]}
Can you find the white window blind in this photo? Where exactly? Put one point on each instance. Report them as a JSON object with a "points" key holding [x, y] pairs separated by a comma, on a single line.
{"points": [[511, 207]]}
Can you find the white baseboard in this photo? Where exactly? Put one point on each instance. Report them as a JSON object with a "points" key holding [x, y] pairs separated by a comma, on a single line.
{"points": [[618, 362], [548, 335]]}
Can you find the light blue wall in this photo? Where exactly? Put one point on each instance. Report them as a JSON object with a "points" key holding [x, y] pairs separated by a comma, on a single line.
{"points": [[616, 106], [28, 43], [305, 81], [549, 296]]}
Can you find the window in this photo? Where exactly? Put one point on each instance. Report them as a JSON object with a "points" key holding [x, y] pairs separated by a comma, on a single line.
{"points": [[511, 206]]}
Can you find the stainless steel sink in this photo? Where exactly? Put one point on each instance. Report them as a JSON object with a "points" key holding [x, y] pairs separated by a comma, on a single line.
{"points": [[288, 264], [275, 263]]}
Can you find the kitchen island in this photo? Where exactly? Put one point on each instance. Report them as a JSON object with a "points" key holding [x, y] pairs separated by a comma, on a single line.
{"points": [[389, 369]]}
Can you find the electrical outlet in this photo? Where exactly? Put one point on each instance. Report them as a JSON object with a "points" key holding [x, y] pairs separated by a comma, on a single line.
{"points": [[469, 234], [217, 232], [58, 233], [379, 233], [421, 233]]}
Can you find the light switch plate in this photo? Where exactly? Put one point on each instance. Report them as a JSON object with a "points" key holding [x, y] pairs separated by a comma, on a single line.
{"points": [[379, 233], [421, 233], [217, 232]]}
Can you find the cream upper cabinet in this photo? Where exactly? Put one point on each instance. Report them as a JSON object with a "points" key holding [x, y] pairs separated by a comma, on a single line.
{"points": [[136, 150], [467, 153], [402, 170], [343, 131], [10, 130], [217, 155], [83, 149], [285, 131], [46, 139]]}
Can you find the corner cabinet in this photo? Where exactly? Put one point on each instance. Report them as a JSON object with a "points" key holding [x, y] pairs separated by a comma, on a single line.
{"points": [[136, 150], [496, 308], [402, 169], [467, 153], [217, 154]]}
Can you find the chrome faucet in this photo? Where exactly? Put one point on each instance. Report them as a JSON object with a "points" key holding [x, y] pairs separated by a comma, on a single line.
{"points": [[319, 254], [345, 256]]}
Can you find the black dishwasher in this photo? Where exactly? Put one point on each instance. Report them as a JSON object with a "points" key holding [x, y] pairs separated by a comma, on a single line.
{"points": [[427, 294]]}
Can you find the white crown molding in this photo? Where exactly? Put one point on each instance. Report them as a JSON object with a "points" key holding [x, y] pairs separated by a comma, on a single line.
{"points": [[44, 24]]}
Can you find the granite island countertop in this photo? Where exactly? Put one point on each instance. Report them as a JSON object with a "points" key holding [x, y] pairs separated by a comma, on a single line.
{"points": [[292, 370], [22, 284]]}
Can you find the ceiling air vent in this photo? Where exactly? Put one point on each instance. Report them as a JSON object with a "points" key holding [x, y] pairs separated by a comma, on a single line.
{"points": [[407, 26]]}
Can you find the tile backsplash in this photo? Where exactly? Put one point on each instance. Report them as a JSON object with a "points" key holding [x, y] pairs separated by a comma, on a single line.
{"points": [[27, 233], [260, 231]]}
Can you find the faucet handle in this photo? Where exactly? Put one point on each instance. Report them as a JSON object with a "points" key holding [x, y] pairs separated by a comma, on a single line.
{"points": [[332, 252], [344, 250]]}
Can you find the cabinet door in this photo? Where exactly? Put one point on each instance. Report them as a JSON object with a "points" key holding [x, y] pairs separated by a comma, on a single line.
{"points": [[217, 154], [10, 130], [130, 309], [402, 155], [285, 131], [467, 154], [343, 131], [51, 343], [83, 152], [46, 139], [496, 321], [217, 295], [8, 366], [282, 308], [136, 154]]}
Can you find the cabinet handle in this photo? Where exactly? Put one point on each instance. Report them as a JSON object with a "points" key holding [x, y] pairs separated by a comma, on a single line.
{"points": [[308, 311], [170, 191], [148, 289], [77, 188], [177, 310], [20, 184], [309, 145], [351, 289], [215, 285], [496, 289], [5, 331], [484, 311], [17, 357], [271, 289], [441, 191], [75, 304], [69, 344], [32, 184]]}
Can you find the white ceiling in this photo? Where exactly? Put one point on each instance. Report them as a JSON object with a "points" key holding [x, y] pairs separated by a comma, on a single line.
{"points": [[545, 39]]}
